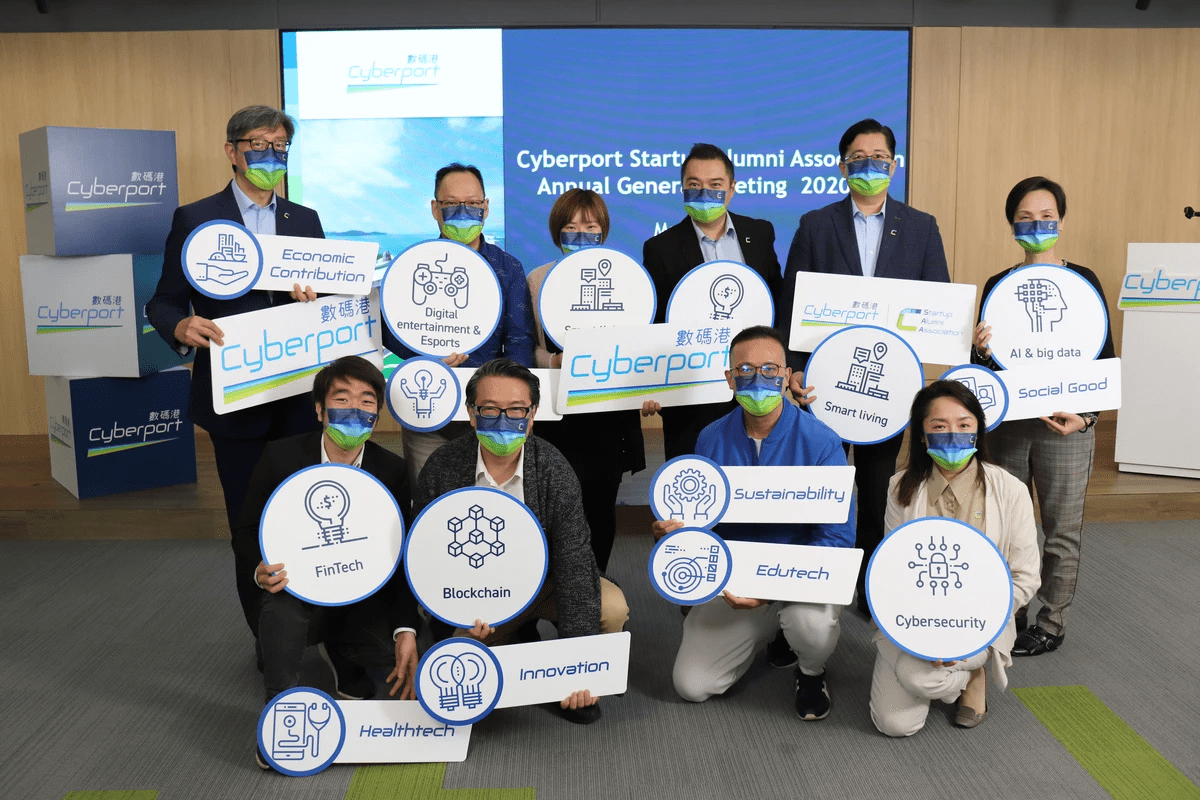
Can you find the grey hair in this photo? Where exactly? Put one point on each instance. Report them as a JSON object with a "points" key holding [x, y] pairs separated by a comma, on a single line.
{"points": [[251, 118]]}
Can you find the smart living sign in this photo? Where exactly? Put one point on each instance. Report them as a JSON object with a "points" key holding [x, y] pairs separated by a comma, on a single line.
{"points": [[89, 191]]}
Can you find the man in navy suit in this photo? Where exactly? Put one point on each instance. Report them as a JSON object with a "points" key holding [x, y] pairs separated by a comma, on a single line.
{"points": [[258, 138], [873, 235], [710, 232]]}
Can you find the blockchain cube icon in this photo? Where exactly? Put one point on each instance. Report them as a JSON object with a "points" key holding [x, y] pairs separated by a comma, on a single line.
{"points": [[476, 536]]}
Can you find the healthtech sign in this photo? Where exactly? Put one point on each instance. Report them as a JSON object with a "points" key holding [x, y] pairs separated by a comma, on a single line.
{"points": [[596, 287], [337, 531], [1044, 313], [936, 319], [276, 352], [939, 589]]}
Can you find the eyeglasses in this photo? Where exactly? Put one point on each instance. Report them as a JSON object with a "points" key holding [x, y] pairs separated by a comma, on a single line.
{"points": [[262, 144], [445, 204], [856, 159], [766, 370], [492, 412]]}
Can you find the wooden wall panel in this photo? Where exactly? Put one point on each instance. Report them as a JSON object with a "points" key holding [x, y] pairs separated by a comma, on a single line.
{"points": [[188, 81], [933, 180], [1109, 114]]}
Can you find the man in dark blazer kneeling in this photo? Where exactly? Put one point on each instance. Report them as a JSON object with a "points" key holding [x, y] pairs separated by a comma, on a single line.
{"points": [[710, 232]]}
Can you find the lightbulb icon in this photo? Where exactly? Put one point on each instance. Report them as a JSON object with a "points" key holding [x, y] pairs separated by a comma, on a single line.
{"points": [[726, 294], [457, 678], [328, 502]]}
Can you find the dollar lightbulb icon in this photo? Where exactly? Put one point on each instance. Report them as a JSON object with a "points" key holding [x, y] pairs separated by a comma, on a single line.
{"points": [[328, 503], [726, 294]]}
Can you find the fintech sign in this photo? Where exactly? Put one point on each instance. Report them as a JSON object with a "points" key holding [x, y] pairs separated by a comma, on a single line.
{"points": [[722, 290]]}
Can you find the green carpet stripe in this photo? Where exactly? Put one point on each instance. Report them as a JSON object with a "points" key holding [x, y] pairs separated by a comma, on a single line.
{"points": [[1121, 761], [114, 794], [419, 782]]}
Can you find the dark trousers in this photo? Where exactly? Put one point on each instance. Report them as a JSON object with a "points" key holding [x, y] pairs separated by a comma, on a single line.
{"points": [[288, 624], [236, 460], [874, 466]]}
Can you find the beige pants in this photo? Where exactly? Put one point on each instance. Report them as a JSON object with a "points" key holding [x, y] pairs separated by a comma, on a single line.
{"points": [[902, 686]]}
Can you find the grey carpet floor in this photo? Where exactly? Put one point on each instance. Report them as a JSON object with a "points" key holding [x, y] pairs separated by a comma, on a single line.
{"points": [[126, 665]]}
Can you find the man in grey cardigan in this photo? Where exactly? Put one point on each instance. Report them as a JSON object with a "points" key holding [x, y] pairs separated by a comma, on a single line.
{"points": [[502, 401]]}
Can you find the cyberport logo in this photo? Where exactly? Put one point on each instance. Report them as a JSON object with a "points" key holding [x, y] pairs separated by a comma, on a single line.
{"points": [[115, 438], [60, 318], [835, 316], [94, 195], [382, 77]]}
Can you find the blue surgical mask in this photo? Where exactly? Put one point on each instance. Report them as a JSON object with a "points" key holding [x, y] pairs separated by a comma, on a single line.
{"points": [[704, 205], [265, 168], [869, 176], [758, 395], [951, 451], [501, 436], [349, 427], [570, 241], [462, 223], [1036, 236]]}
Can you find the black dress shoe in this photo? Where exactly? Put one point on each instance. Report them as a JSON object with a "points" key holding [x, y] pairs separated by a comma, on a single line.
{"points": [[1022, 622], [1035, 641]]}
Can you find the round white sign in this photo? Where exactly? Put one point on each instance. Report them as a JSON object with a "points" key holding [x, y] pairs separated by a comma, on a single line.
{"points": [[690, 566], [865, 378], [337, 531], [423, 394], [596, 287], [987, 387], [692, 489], [939, 589], [722, 290], [301, 731], [459, 681], [222, 259], [440, 297], [1044, 313], [476, 554]]}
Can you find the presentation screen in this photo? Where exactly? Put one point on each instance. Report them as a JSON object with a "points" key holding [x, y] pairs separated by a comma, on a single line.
{"points": [[539, 111]]}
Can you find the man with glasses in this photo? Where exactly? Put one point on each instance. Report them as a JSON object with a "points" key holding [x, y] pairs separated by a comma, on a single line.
{"points": [[721, 637], [461, 207], [257, 142], [502, 402], [872, 235]]}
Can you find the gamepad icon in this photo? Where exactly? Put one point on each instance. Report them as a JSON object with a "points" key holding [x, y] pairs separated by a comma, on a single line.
{"points": [[452, 283]]}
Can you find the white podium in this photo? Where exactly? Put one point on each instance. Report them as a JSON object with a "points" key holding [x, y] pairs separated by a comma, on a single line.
{"points": [[1160, 384]]}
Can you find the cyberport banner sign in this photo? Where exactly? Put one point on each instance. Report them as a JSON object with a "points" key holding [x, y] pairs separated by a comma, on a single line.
{"points": [[95, 191], [337, 531], [939, 589], [223, 259], [936, 319], [1042, 314], [675, 364], [476, 554], [1161, 277], [700, 493], [460, 681], [277, 351], [303, 731]]}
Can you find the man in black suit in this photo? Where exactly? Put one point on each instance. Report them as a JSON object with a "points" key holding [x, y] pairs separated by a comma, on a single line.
{"points": [[258, 138], [377, 633], [709, 232], [873, 235]]}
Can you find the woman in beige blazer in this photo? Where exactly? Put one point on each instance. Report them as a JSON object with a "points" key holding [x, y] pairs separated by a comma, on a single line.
{"points": [[948, 455]]}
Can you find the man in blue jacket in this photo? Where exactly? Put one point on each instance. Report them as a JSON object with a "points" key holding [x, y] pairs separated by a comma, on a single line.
{"points": [[460, 207], [257, 142], [720, 637], [867, 234]]}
